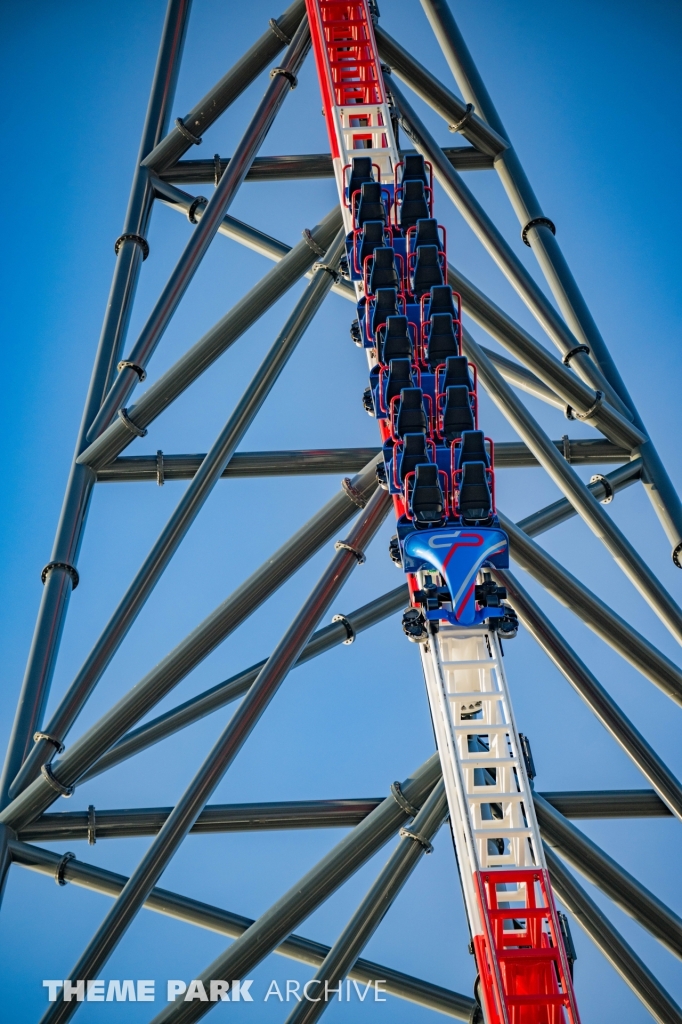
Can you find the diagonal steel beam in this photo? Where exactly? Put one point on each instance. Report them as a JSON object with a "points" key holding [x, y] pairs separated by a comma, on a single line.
{"points": [[539, 233], [593, 693], [60, 575], [604, 488], [223, 922], [413, 844], [182, 518], [610, 942], [188, 130], [231, 689], [193, 649], [312, 890], [133, 369], [217, 340], [573, 594], [568, 481], [600, 869]]}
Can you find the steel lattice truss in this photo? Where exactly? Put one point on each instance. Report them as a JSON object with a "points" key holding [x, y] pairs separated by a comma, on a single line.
{"points": [[44, 762]]}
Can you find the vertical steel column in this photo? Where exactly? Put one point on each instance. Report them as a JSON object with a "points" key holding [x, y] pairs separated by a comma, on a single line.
{"points": [[60, 575], [349, 554], [620, 955], [538, 233], [131, 370], [184, 515], [6, 836], [415, 841]]}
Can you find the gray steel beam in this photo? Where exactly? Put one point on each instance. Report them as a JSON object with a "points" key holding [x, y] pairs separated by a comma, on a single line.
{"points": [[217, 340], [312, 890], [522, 378], [432, 91], [131, 370], [613, 630], [6, 835], [313, 461], [602, 487], [501, 252], [349, 554], [600, 869], [185, 513], [581, 402], [599, 701], [251, 237], [412, 845], [231, 689], [539, 235], [298, 166], [148, 821], [568, 481], [193, 649], [223, 922], [608, 803], [61, 577], [188, 130], [610, 942]]}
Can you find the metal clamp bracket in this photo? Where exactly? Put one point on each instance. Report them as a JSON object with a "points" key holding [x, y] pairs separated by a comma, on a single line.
{"points": [[335, 275], [160, 476], [282, 36], [128, 423], [342, 545], [59, 870], [193, 208], [350, 632], [70, 569], [676, 555], [606, 484], [57, 744], [92, 826], [353, 493], [463, 121], [402, 801], [196, 140], [138, 239], [574, 352], [311, 243], [217, 169], [126, 364], [287, 74], [405, 833], [49, 776], [566, 442], [534, 223], [572, 414]]}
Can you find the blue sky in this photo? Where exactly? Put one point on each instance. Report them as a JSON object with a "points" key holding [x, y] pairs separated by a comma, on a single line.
{"points": [[590, 95]]}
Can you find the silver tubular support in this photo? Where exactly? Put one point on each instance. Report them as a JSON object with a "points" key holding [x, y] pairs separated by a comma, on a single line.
{"points": [[195, 647], [580, 400], [501, 252], [600, 869], [168, 150], [568, 481], [237, 230], [224, 693], [59, 582], [312, 890], [524, 379], [613, 630], [608, 803], [599, 701], [6, 836], [540, 236], [217, 340], [604, 488], [226, 748], [610, 942], [182, 518], [374, 906], [204, 233], [432, 91]]}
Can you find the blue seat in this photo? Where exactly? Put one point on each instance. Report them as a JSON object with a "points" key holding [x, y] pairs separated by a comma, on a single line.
{"points": [[427, 270], [414, 168], [411, 417], [414, 451], [384, 273], [361, 171], [457, 414], [413, 206], [399, 376], [441, 301], [473, 448], [385, 305], [371, 206], [442, 342], [427, 503], [457, 372], [372, 235], [394, 340], [427, 233], [475, 503]]}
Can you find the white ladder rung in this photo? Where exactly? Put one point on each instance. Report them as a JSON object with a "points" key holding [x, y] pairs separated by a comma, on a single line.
{"points": [[500, 833], [487, 663], [495, 798], [472, 694], [489, 762]]}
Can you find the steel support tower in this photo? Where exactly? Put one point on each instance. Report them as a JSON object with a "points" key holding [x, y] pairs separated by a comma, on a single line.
{"points": [[383, 249]]}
